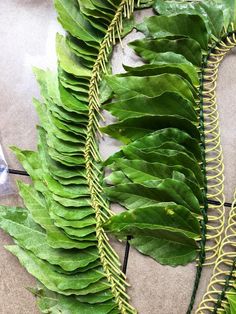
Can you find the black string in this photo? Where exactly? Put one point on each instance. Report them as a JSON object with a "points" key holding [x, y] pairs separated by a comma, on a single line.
{"points": [[212, 202], [19, 172], [24, 173], [126, 257]]}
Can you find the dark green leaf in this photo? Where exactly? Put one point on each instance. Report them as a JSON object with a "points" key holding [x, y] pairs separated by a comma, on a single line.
{"points": [[191, 26]]}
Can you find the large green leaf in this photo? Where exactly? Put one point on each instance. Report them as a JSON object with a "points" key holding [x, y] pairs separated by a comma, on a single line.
{"points": [[139, 171], [141, 105], [158, 66], [163, 216], [176, 25], [187, 47], [167, 157], [131, 86], [166, 225], [133, 195], [132, 129], [210, 11], [174, 249]]}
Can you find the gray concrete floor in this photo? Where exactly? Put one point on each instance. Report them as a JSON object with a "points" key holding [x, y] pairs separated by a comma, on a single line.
{"points": [[27, 31]]}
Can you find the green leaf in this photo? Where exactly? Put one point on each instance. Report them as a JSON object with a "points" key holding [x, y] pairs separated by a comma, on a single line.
{"points": [[160, 231], [84, 283], [54, 303], [172, 249], [68, 61], [228, 7], [232, 301], [165, 104], [157, 67], [73, 21], [134, 128], [20, 225], [158, 138], [57, 97], [167, 157], [133, 195], [163, 216], [96, 298], [210, 11], [37, 206], [67, 213], [139, 171], [187, 47], [131, 86], [176, 25], [165, 225]]}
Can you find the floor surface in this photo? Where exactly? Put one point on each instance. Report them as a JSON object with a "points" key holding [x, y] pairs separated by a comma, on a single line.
{"points": [[27, 30]]}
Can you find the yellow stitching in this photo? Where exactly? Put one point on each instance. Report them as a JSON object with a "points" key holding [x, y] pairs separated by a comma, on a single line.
{"points": [[215, 169], [108, 256]]}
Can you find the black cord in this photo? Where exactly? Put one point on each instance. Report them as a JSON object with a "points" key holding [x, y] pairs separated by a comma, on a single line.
{"points": [[19, 172], [126, 257], [212, 202]]}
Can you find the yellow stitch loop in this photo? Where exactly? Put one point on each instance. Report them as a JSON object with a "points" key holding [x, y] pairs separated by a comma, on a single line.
{"points": [[223, 249]]}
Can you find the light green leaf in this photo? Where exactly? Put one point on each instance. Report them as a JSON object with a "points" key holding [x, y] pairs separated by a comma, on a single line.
{"points": [[20, 225], [69, 62], [232, 301], [73, 21], [81, 284], [54, 303], [39, 211]]}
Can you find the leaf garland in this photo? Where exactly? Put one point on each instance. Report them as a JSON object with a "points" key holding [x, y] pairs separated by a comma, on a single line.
{"points": [[160, 163], [177, 45], [59, 237], [158, 175]]}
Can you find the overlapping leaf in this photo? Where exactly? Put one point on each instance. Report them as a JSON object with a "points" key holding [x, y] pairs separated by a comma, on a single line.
{"points": [[56, 234], [156, 106]]}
